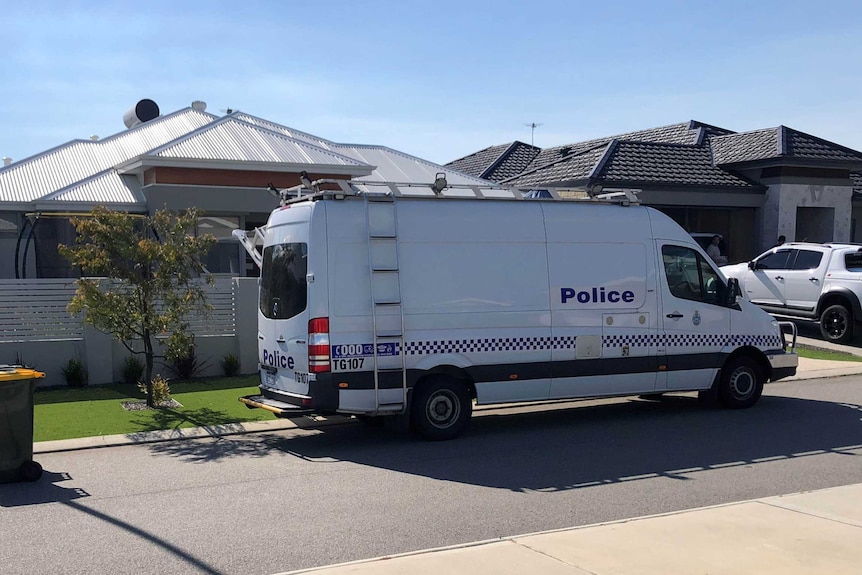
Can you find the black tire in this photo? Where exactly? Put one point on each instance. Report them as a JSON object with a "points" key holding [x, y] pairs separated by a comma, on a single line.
{"points": [[30, 471], [440, 409], [836, 324], [740, 384]]}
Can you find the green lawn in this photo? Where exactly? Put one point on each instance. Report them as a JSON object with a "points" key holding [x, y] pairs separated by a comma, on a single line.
{"points": [[68, 413], [816, 353]]}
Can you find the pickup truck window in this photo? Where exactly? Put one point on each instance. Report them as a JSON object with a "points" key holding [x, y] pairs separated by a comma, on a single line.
{"points": [[774, 261], [807, 259], [689, 276], [853, 261]]}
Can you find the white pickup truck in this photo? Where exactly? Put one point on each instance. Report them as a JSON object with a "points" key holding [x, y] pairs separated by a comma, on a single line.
{"points": [[820, 282]]}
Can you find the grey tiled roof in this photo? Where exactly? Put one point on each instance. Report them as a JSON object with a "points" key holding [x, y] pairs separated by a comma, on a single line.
{"points": [[635, 163], [512, 163], [572, 168], [800, 145], [857, 184], [745, 147], [667, 164], [774, 143], [475, 164], [682, 133]]}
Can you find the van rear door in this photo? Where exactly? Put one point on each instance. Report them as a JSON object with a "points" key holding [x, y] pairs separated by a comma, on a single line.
{"points": [[283, 307]]}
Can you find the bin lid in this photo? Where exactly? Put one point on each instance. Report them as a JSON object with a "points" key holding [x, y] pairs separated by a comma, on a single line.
{"points": [[17, 372]]}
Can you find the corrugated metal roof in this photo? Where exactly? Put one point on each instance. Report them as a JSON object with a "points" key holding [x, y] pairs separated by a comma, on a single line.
{"points": [[85, 171], [289, 132], [55, 169], [108, 187], [391, 165], [231, 139], [394, 166]]}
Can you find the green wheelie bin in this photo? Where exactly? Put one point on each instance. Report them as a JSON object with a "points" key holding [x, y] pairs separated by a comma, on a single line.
{"points": [[17, 385]]}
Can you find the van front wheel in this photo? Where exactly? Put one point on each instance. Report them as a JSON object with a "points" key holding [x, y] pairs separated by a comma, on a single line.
{"points": [[440, 409], [741, 383]]}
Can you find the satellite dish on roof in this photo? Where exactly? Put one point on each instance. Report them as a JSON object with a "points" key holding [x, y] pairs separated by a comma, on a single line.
{"points": [[143, 111]]}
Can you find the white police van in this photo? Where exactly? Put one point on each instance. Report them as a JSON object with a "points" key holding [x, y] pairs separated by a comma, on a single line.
{"points": [[386, 299]]}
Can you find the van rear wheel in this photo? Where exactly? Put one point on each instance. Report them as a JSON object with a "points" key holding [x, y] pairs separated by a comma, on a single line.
{"points": [[440, 409], [741, 383]]}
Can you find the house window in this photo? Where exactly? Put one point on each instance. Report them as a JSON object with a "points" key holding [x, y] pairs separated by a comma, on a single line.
{"points": [[225, 255], [9, 225]]}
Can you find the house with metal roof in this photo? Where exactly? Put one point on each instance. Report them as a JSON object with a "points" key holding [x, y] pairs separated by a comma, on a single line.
{"points": [[750, 187], [222, 165]]}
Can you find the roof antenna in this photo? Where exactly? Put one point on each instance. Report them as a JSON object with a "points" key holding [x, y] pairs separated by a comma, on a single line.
{"points": [[532, 126]]}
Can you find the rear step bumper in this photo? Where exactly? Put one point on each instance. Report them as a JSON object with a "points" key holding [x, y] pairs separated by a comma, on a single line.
{"points": [[279, 408]]}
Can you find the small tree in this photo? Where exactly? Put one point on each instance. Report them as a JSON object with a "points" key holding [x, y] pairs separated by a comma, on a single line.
{"points": [[155, 262]]}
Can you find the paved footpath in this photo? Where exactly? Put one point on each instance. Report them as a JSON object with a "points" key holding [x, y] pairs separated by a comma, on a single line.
{"points": [[812, 533]]}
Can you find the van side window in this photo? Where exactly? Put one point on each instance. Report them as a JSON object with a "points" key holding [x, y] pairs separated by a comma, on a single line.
{"points": [[689, 276], [283, 287]]}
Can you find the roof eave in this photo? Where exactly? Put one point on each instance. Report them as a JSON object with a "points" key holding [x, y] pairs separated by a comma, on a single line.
{"points": [[141, 163], [85, 207], [853, 166], [650, 185]]}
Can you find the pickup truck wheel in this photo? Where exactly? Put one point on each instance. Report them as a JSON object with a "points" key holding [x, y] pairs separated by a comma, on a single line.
{"points": [[440, 409], [836, 324], [741, 383]]}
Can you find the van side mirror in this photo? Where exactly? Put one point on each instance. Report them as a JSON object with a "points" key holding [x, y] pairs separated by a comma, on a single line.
{"points": [[730, 294], [752, 265]]}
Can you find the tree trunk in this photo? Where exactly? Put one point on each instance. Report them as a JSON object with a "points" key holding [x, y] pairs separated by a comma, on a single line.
{"points": [[148, 370]]}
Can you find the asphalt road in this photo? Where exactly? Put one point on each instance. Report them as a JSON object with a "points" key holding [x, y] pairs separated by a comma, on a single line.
{"points": [[273, 502]]}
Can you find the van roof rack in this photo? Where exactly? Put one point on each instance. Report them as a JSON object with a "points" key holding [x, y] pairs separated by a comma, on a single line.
{"points": [[439, 188], [332, 188]]}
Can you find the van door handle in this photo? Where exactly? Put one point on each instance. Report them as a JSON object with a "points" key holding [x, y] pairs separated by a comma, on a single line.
{"points": [[674, 315], [780, 278], [815, 280]]}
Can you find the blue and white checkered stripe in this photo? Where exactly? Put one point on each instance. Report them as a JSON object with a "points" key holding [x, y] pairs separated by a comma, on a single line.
{"points": [[692, 340], [629, 340], [480, 345], [695, 340], [506, 344], [767, 341]]}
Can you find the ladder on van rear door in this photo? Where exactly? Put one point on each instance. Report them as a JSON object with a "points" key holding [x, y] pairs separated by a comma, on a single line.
{"points": [[387, 311]]}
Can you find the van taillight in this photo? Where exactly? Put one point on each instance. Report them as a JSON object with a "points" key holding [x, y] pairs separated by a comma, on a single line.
{"points": [[318, 345]]}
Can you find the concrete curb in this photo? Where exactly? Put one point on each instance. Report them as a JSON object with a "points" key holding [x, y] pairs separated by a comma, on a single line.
{"points": [[186, 433]]}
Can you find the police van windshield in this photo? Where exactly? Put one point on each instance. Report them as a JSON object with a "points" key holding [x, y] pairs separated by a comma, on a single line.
{"points": [[283, 291]]}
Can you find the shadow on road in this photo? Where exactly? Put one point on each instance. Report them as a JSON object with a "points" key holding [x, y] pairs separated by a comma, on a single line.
{"points": [[43, 491], [568, 447]]}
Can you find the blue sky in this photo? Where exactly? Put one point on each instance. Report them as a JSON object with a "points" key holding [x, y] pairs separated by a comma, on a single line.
{"points": [[435, 79]]}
